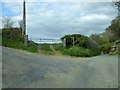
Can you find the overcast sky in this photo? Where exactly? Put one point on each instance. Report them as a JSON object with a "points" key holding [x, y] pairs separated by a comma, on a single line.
{"points": [[56, 19]]}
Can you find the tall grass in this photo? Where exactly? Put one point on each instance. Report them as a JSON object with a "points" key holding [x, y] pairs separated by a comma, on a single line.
{"points": [[80, 52], [45, 47], [57, 46], [19, 45]]}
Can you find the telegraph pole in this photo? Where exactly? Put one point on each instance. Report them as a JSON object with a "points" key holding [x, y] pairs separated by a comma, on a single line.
{"points": [[24, 20], [24, 25]]}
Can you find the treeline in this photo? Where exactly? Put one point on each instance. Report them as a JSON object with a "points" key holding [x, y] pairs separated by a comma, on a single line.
{"points": [[107, 39], [111, 34]]}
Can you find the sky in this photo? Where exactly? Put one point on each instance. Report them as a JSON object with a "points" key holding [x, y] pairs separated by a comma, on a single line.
{"points": [[55, 19]]}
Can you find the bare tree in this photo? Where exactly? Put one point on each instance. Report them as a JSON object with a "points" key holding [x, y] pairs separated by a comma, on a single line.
{"points": [[117, 5], [7, 22]]}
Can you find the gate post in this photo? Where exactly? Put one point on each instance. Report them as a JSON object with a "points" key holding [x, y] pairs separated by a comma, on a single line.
{"points": [[64, 42], [26, 40]]}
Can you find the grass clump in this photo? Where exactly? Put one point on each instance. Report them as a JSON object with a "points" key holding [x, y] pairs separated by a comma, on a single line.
{"points": [[32, 47], [57, 46], [80, 52], [45, 47], [105, 48]]}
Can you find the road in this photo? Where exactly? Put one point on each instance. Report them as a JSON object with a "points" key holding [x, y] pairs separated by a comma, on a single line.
{"points": [[26, 70]]}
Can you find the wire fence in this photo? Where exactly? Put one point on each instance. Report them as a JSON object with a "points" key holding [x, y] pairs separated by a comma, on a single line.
{"points": [[45, 40]]}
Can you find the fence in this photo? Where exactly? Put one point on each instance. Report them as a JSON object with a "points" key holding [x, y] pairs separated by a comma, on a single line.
{"points": [[47, 40]]}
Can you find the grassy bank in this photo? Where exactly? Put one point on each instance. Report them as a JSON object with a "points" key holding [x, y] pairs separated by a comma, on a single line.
{"points": [[19, 45], [13, 38]]}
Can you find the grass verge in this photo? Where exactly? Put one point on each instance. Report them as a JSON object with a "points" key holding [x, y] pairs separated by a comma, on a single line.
{"points": [[32, 47]]}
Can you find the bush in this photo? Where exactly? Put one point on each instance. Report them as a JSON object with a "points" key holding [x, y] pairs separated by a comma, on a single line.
{"points": [[95, 51], [80, 52], [12, 37], [79, 40], [105, 48], [12, 33]]}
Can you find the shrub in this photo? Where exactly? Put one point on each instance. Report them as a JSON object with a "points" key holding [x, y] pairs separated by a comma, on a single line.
{"points": [[12, 37], [80, 52], [95, 51], [79, 40], [12, 33], [105, 48]]}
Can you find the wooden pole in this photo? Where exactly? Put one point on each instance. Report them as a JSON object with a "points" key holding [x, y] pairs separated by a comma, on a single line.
{"points": [[73, 41], [24, 20], [24, 25], [64, 42]]}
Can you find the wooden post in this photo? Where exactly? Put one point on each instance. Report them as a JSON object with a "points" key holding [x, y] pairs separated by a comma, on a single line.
{"points": [[26, 40], [24, 20], [24, 25], [73, 41], [64, 42]]}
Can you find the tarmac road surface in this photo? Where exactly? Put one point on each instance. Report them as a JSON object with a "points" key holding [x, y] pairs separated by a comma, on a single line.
{"points": [[26, 70]]}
